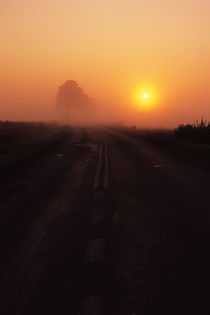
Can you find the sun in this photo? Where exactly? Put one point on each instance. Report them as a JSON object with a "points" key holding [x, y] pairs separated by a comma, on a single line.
{"points": [[145, 97]]}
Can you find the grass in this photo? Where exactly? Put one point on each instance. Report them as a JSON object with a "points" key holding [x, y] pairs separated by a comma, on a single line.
{"points": [[22, 143]]}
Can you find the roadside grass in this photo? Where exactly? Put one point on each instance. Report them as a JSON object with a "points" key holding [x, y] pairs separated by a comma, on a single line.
{"points": [[22, 143]]}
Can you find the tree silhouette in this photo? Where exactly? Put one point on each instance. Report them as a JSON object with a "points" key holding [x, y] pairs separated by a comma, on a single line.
{"points": [[71, 98]]}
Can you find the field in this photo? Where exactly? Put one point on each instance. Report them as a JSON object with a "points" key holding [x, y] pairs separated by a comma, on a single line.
{"points": [[22, 143]]}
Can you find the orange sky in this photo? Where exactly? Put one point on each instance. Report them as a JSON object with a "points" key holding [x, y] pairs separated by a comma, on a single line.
{"points": [[110, 47]]}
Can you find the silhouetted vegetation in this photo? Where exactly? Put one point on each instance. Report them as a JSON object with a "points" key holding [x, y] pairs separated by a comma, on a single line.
{"points": [[199, 132], [71, 99]]}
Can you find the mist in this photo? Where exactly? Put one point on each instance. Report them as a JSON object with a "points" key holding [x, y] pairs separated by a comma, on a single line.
{"points": [[37, 102], [111, 49]]}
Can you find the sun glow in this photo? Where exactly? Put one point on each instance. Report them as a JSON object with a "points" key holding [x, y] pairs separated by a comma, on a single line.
{"points": [[145, 97]]}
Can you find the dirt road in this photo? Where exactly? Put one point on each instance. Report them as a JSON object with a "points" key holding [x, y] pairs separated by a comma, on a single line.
{"points": [[106, 224]]}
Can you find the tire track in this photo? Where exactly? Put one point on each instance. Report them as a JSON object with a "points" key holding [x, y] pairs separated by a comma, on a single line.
{"points": [[94, 302]]}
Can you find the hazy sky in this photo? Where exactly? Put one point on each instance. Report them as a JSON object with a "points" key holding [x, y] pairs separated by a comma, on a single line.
{"points": [[111, 48]]}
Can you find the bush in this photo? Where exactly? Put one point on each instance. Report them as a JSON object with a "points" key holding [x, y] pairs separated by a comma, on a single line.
{"points": [[199, 132]]}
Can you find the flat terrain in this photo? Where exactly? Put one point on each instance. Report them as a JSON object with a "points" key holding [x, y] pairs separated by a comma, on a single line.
{"points": [[105, 222]]}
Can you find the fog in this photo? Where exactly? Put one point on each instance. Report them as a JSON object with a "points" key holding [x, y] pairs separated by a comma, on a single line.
{"points": [[111, 49], [39, 103]]}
